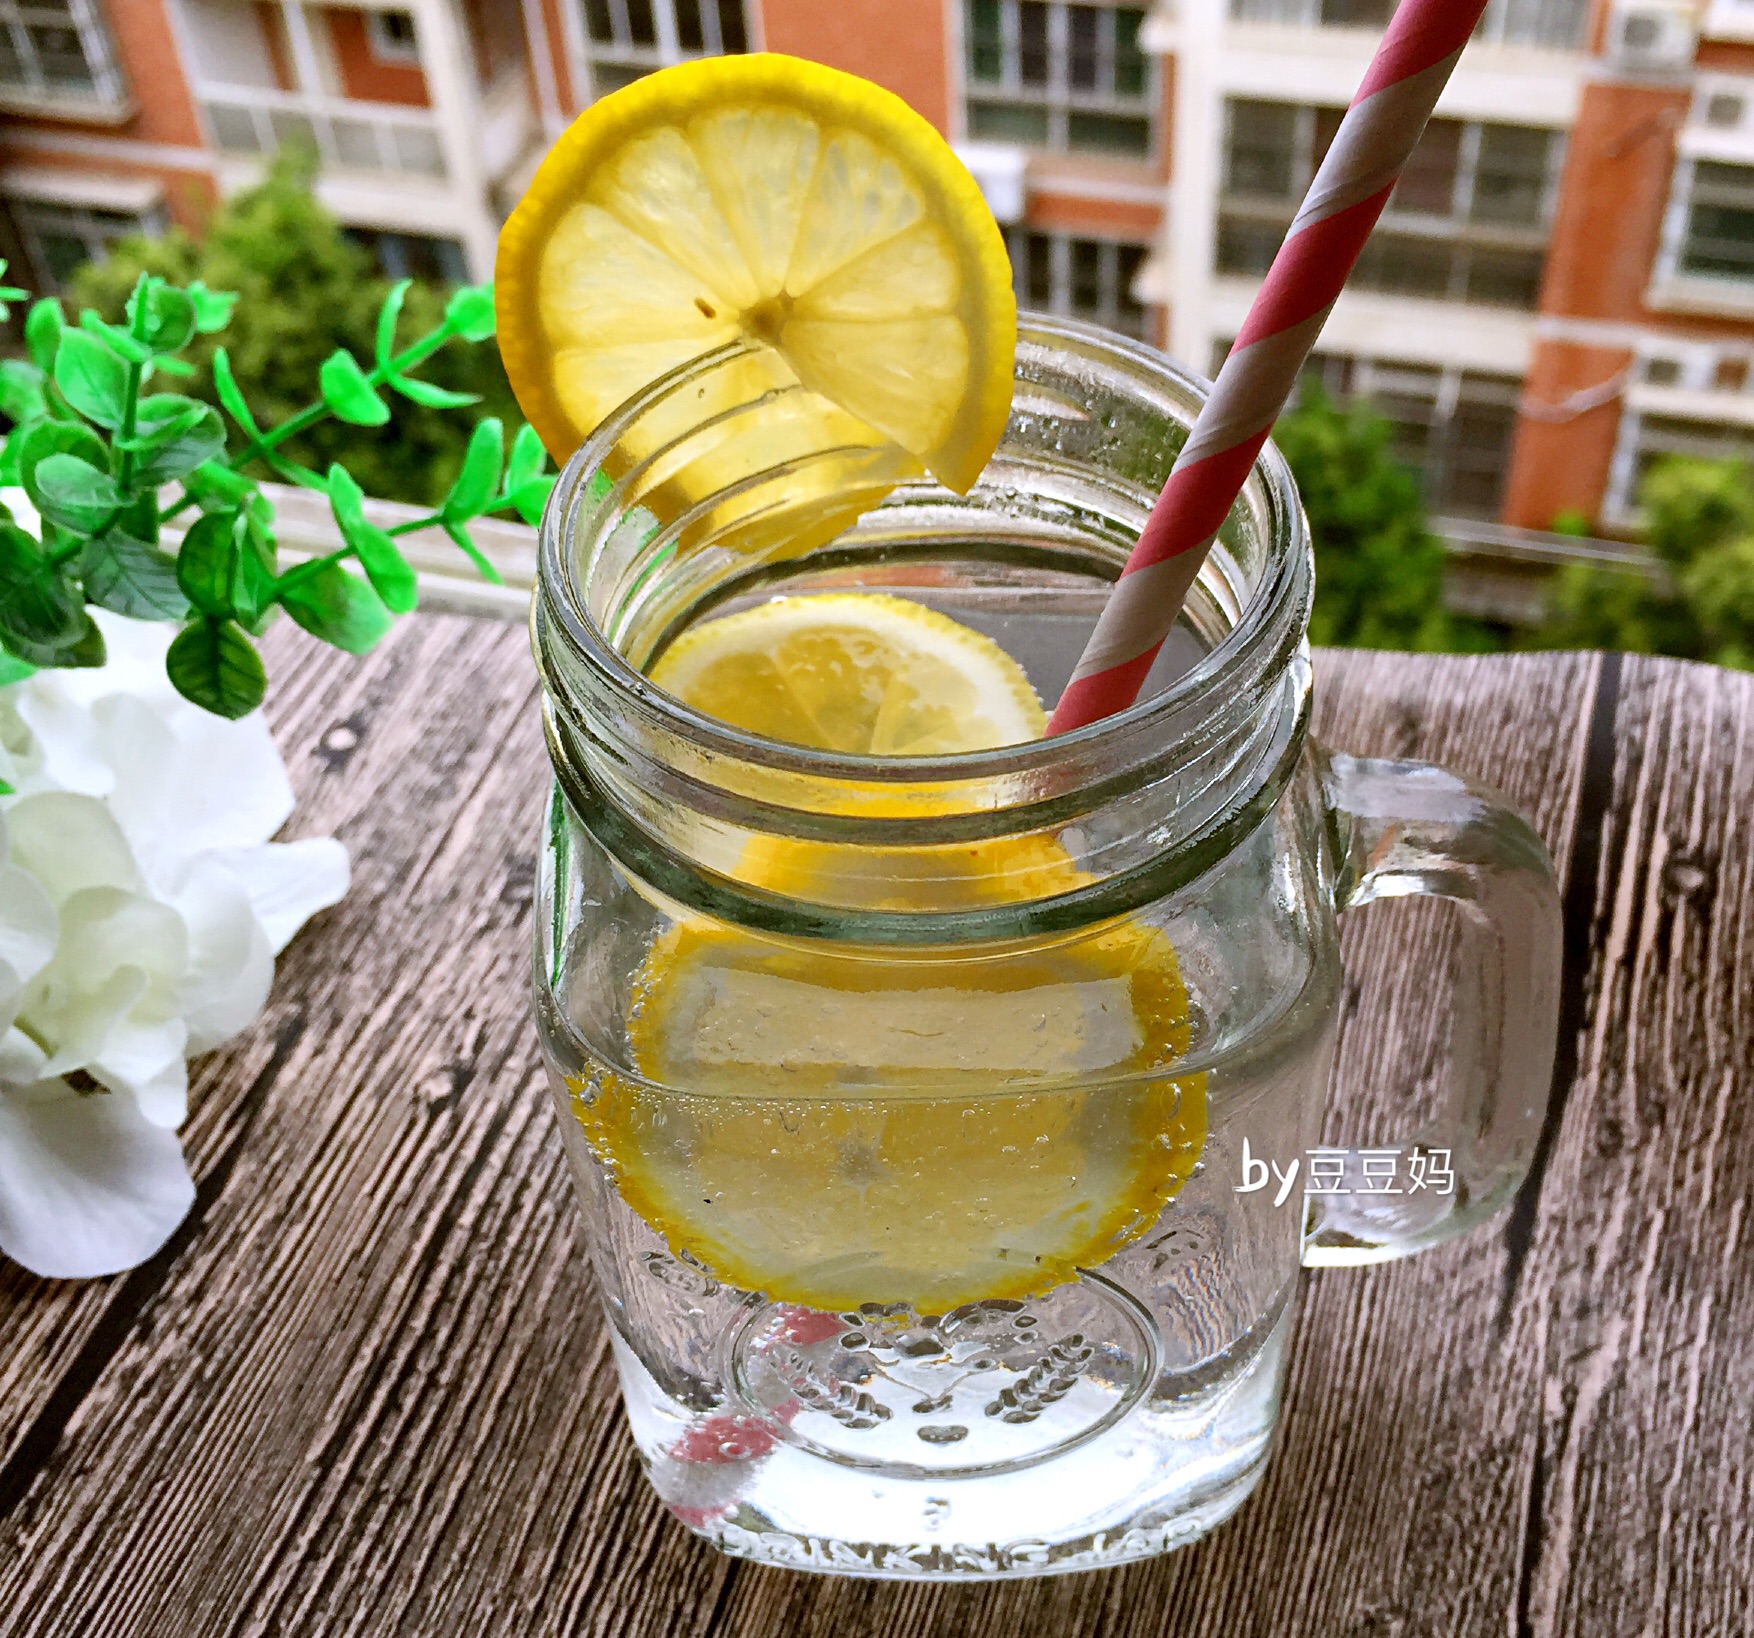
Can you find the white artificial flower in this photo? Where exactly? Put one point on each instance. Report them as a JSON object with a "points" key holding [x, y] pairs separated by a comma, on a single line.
{"points": [[141, 908]]}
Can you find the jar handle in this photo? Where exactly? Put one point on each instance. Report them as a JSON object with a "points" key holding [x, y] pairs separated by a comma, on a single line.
{"points": [[1406, 829]]}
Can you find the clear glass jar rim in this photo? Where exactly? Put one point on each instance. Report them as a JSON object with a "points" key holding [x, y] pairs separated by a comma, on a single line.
{"points": [[560, 595]]}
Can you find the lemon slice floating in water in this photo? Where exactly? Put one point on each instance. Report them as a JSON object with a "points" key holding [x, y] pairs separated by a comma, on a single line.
{"points": [[855, 672]]}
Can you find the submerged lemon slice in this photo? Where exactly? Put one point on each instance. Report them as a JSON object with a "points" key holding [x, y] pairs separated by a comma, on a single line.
{"points": [[775, 200], [856, 672], [862, 1130], [838, 1126]]}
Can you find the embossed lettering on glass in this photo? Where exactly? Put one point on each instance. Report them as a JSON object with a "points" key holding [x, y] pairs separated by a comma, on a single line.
{"points": [[921, 1109]]}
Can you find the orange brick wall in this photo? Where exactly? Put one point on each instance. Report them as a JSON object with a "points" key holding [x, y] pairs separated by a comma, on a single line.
{"points": [[901, 44], [164, 114], [1611, 206], [1094, 218], [1726, 56], [1563, 466], [147, 52], [554, 26], [363, 73], [1604, 245]]}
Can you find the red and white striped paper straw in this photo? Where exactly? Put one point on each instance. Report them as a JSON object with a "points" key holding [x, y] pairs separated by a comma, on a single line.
{"points": [[1402, 85]]}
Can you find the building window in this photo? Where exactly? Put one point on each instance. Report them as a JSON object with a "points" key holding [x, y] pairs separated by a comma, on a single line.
{"points": [[1562, 24], [1717, 240], [1078, 278], [1062, 76], [1647, 439], [392, 36], [629, 38], [61, 239], [55, 50], [1467, 222], [412, 255], [1451, 427]]}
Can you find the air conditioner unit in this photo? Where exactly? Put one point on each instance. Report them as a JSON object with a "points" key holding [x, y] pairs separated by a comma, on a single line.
{"points": [[1655, 38]]}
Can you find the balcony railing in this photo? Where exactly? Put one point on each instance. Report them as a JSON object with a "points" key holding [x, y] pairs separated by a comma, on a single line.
{"points": [[1557, 24], [346, 134]]}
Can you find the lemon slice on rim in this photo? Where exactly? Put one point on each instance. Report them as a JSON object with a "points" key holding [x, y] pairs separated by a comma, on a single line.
{"points": [[859, 672], [774, 200]]}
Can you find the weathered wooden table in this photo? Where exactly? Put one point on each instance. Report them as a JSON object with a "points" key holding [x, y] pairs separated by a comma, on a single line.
{"points": [[366, 1389]]}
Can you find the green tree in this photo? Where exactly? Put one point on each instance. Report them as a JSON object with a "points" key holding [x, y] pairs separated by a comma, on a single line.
{"points": [[1379, 569], [305, 289], [1699, 520]]}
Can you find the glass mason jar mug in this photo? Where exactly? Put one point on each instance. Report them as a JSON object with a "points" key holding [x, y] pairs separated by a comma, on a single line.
{"points": [[922, 1108]]}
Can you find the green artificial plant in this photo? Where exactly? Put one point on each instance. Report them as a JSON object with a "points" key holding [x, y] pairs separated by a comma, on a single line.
{"points": [[114, 467]]}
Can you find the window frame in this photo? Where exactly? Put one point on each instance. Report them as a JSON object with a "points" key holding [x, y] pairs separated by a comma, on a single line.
{"points": [[108, 88], [1058, 100], [99, 227], [626, 59], [1465, 241], [1632, 448], [1115, 308], [1501, 24], [385, 48], [1677, 224], [1350, 378]]}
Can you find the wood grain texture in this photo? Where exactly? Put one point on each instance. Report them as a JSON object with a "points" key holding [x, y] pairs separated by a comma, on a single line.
{"points": [[366, 1391]]}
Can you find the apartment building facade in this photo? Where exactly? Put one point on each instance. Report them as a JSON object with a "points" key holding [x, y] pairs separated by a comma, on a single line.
{"points": [[1562, 287], [1561, 291]]}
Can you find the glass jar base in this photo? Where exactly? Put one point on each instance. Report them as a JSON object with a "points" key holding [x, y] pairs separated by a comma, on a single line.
{"points": [[1158, 1477], [1159, 1528]]}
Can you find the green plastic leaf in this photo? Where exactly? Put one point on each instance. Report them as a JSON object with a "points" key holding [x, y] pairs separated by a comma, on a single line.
{"points": [[381, 558], [42, 332], [215, 482], [74, 493], [338, 607], [473, 491], [9, 460], [159, 418], [388, 570], [528, 458], [346, 498], [36, 444], [92, 377], [21, 391], [233, 400], [161, 315], [216, 666], [433, 397], [530, 498], [252, 585], [13, 670], [348, 393], [387, 316], [88, 650], [179, 446], [212, 307], [42, 613], [464, 543], [139, 518], [115, 338], [469, 312], [207, 562], [130, 577]]}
